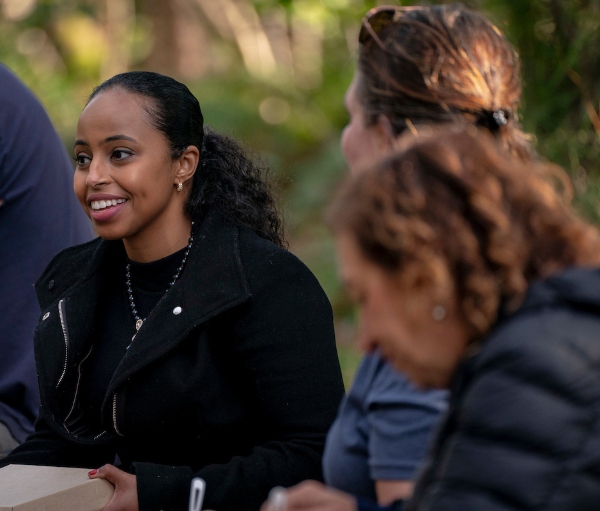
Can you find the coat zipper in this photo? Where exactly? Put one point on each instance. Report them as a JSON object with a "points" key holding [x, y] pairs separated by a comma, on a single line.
{"points": [[62, 312], [76, 389], [115, 415]]}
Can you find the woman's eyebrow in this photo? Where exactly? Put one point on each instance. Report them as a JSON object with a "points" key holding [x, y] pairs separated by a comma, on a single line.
{"points": [[118, 137], [106, 140]]}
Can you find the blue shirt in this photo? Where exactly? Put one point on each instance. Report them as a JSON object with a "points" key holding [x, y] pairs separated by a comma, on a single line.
{"points": [[39, 215], [382, 431]]}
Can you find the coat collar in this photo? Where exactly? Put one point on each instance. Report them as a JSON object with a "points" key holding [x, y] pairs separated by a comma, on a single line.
{"points": [[212, 281], [577, 286]]}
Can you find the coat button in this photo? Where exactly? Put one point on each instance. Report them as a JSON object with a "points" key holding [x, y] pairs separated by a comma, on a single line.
{"points": [[51, 284], [46, 316], [177, 311]]}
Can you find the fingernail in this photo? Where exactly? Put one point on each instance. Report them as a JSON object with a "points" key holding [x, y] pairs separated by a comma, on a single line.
{"points": [[93, 472]]}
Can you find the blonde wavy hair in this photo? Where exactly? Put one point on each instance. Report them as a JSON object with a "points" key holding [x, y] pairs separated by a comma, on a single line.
{"points": [[453, 211]]}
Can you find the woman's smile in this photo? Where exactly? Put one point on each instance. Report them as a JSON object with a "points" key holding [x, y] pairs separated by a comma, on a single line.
{"points": [[98, 205], [103, 207]]}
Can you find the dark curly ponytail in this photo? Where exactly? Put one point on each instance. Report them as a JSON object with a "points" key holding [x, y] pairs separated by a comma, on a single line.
{"points": [[227, 177], [231, 180]]}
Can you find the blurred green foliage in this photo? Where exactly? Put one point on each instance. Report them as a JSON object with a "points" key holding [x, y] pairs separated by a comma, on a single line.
{"points": [[273, 74]]}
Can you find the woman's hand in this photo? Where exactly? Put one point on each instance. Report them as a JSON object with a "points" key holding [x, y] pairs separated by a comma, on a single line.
{"points": [[125, 497], [313, 496]]}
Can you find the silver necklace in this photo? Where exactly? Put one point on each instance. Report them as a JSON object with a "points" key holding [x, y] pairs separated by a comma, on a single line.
{"points": [[139, 321]]}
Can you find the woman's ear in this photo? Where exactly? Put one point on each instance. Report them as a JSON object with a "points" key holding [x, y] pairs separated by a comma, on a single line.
{"points": [[187, 164]]}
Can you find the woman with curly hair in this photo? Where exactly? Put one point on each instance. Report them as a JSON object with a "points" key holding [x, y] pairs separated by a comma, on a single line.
{"points": [[472, 272], [185, 340]]}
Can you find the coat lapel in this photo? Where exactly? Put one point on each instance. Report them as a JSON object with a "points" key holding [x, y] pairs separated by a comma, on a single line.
{"points": [[81, 302], [212, 281], [69, 297]]}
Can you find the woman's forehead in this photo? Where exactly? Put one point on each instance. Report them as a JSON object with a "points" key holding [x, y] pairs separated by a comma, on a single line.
{"points": [[116, 107]]}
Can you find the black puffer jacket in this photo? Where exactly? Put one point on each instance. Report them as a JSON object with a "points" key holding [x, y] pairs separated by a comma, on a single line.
{"points": [[233, 376], [523, 429]]}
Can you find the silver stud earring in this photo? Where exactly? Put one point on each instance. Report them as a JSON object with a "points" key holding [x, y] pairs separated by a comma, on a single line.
{"points": [[179, 187], [438, 313]]}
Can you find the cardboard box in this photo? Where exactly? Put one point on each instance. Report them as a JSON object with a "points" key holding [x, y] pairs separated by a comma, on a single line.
{"points": [[33, 488]]}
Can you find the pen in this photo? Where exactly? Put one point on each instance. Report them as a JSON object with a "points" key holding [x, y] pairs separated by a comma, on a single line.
{"points": [[197, 489], [277, 499]]}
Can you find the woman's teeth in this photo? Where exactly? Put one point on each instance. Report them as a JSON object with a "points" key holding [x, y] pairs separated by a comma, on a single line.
{"points": [[103, 204]]}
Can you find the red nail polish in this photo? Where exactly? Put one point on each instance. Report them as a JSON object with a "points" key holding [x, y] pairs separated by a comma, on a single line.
{"points": [[93, 472]]}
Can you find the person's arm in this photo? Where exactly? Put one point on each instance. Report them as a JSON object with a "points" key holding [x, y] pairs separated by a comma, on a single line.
{"points": [[401, 420], [368, 505], [285, 348], [47, 448], [389, 492], [315, 496]]}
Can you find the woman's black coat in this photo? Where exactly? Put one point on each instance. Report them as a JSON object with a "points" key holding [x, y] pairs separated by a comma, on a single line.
{"points": [[523, 429], [239, 388]]}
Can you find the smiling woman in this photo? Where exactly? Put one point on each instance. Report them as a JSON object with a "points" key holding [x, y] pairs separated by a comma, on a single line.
{"points": [[185, 341], [126, 177]]}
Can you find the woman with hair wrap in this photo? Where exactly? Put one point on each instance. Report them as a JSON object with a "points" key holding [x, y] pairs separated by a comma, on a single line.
{"points": [[488, 284], [418, 67], [184, 341]]}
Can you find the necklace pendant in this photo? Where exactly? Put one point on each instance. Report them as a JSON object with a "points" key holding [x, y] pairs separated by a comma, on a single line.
{"points": [[139, 321]]}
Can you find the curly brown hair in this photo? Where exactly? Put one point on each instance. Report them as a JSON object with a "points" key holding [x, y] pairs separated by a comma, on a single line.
{"points": [[452, 211], [442, 64]]}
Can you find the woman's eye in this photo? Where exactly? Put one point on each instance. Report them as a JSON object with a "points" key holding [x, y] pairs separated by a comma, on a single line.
{"points": [[120, 154], [82, 160]]}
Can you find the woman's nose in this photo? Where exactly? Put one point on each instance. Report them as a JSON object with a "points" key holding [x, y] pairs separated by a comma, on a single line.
{"points": [[98, 175]]}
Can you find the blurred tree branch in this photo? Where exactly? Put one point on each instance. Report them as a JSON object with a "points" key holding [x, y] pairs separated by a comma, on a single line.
{"points": [[119, 24], [246, 29]]}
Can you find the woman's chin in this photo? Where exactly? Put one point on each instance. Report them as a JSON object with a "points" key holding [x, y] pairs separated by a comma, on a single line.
{"points": [[422, 379], [400, 365], [108, 234]]}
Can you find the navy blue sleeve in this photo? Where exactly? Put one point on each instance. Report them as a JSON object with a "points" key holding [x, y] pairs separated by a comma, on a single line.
{"points": [[382, 431], [39, 215], [402, 420]]}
